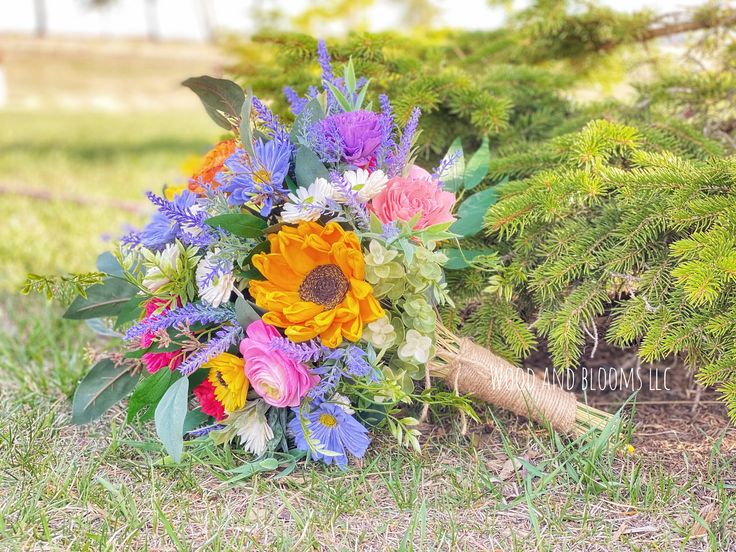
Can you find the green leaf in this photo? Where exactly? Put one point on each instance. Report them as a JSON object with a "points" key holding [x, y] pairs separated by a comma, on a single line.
{"points": [[308, 167], [350, 80], [339, 96], [105, 299], [310, 114], [103, 386], [194, 419], [452, 177], [471, 212], [251, 468], [218, 95], [245, 313], [458, 259], [99, 326], [246, 131], [478, 165], [242, 225], [148, 393], [131, 310], [108, 264], [170, 414]]}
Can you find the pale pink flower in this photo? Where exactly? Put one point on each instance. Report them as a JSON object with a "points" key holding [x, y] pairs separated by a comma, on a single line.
{"points": [[278, 379], [406, 196]]}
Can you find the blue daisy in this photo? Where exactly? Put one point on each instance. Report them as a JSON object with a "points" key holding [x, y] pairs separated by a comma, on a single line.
{"points": [[330, 429], [260, 180]]}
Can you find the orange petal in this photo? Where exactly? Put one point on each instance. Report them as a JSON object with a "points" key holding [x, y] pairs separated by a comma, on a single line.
{"points": [[301, 311], [300, 333], [360, 288], [353, 330], [370, 309], [276, 270], [332, 337]]}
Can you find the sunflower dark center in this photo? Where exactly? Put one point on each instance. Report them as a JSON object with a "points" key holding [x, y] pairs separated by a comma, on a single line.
{"points": [[325, 285]]}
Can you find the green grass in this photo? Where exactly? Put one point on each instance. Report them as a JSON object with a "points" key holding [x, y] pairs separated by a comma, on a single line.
{"points": [[104, 486]]}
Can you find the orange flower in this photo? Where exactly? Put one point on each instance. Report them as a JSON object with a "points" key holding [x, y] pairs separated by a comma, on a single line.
{"points": [[211, 165], [315, 284]]}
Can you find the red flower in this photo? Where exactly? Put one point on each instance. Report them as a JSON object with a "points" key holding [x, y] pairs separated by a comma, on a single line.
{"points": [[205, 393]]}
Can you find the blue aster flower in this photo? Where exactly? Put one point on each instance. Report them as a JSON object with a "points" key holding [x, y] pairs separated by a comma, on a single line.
{"points": [[261, 180], [331, 429], [165, 225]]}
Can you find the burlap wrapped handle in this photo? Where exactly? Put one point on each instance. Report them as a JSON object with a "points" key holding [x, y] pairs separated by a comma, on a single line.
{"points": [[480, 373]]}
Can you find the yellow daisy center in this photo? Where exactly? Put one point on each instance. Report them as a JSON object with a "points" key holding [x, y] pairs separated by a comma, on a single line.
{"points": [[325, 285], [327, 420], [262, 176]]}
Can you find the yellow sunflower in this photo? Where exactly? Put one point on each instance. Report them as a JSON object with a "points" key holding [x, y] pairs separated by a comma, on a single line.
{"points": [[227, 375], [315, 284]]}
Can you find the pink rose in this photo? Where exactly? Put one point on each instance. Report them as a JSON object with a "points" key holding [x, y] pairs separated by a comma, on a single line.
{"points": [[155, 361], [406, 196], [278, 379]]}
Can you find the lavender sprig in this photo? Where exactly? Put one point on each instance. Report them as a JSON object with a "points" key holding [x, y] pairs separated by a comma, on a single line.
{"points": [[445, 165], [192, 228], [270, 120], [184, 316], [342, 362], [296, 103], [202, 431], [214, 347], [309, 351], [388, 145], [352, 202], [407, 137]]}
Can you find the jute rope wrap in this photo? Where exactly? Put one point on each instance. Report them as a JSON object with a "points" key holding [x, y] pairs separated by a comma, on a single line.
{"points": [[477, 371]]}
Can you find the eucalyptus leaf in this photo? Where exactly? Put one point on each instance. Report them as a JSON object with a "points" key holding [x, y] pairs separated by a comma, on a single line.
{"points": [[107, 263], [310, 114], [218, 96], [308, 167], [246, 130], [169, 416], [245, 313], [457, 259], [100, 327], [103, 386], [104, 299], [452, 176], [477, 168], [471, 212]]}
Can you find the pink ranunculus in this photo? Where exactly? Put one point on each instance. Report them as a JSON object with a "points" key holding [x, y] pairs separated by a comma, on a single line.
{"points": [[418, 173], [279, 380], [155, 361], [404, 197]]}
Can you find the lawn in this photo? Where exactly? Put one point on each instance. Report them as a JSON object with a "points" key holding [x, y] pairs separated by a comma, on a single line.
{"points": [[67, 179]]}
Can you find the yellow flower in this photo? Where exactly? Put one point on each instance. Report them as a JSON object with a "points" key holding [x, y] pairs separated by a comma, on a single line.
{"points": [[171, 191], [315, 284], [227, 374]]}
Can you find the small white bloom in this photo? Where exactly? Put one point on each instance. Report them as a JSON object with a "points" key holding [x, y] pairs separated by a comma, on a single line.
{"points": [[307, 204], [253, 430], [217, 290], [167, 261], [416, 347], [190, 229], [343, 402], [366, 184], [380, 333]]}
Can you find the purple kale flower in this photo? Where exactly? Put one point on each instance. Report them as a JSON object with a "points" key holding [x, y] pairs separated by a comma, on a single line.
{"points": [[351, 137]]}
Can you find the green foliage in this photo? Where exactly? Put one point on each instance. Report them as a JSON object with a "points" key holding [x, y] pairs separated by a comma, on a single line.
{"points": [[62, 288], [103, 386], [618, 226]]}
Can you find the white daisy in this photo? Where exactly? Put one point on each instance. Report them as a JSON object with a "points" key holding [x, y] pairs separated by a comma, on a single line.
{"points": [[308, 204], [214, 290], [366, 184], [253, 428]]}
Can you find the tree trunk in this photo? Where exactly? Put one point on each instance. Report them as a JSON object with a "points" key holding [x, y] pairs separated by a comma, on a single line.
{"points": [[40, 11], [152, 21]]}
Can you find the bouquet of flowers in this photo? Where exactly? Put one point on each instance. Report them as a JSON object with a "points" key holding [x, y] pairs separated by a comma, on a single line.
{"points": [[285, 298]]}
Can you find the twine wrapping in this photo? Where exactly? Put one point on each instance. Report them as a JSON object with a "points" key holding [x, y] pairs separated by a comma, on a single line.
{"points": [[477, 371]]}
